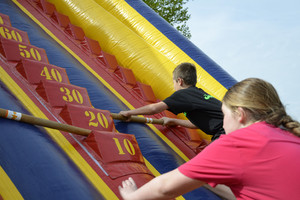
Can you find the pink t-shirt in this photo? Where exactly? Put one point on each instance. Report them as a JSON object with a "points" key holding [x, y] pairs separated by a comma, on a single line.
{"points": [[257, 162]]}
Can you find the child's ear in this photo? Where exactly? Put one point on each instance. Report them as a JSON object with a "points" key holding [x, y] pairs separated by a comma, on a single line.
{"points": [[242, 115], [180, 81]]}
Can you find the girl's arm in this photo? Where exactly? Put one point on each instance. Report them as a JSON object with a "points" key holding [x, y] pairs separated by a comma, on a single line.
{"points": [[166, 186]]}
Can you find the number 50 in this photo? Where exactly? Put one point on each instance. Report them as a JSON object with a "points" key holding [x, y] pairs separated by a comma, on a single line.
{"points": [[31, 53]]}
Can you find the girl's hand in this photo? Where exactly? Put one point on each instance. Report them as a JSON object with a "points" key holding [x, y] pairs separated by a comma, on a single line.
{"points": [[127, 188]]}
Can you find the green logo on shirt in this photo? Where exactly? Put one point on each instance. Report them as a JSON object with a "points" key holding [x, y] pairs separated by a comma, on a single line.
{"points": [[207, 96]]}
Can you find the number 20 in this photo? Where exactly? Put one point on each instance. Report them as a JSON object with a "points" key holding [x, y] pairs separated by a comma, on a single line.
{"points": [[95, 122]]}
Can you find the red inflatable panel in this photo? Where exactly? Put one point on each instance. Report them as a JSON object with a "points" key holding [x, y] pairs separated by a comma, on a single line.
{"points": [[188, 136], [15, 51], [146, 92], [4, 19], [35, 71], [58, 94], [11, 33], [126, 75], [62, 20], [119, 169], [47, 7], [191, 134], [88, 117], [119, 152], [75, 31]]}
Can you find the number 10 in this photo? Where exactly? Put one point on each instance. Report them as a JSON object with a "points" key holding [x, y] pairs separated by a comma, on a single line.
{"points": [[127, 144]]}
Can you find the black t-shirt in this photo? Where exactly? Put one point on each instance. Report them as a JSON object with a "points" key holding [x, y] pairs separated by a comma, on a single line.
{"points": [[203, 110]]}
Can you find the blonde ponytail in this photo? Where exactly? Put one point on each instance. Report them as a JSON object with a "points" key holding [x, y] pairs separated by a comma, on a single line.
{"points": [[263, 103]]}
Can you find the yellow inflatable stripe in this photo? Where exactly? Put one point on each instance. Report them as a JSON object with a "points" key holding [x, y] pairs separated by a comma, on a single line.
{"points": [[8, 190], [59, 138], [160, 42]]}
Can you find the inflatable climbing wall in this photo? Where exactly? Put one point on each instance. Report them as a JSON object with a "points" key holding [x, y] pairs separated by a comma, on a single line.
{"points": [[75, 62]]}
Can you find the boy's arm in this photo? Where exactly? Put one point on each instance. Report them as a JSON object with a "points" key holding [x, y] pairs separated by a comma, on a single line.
{"points": [[179, 122], [146, 110]]}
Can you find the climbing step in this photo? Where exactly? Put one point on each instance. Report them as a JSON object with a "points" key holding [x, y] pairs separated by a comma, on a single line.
{"points": [[145, 92], [35, 72], [61, 19], [4, 20], [11, 33], [15, 51], [119, 152], [91, 46], [75, 31], [110, 61], [88, 117], [58, 94], [47, 7], [126, 75]]}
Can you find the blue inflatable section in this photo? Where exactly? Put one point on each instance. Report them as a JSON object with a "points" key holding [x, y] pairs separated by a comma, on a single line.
{"points": [[34, 163]]}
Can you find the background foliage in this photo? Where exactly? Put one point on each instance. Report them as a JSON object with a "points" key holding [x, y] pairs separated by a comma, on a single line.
{"points": [[173, 12]]}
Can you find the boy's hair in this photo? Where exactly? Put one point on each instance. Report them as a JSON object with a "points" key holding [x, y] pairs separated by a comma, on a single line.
{"points": [[188, 73]]}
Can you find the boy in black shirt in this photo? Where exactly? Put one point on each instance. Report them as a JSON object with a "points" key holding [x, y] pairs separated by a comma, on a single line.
{"points": [[202, 110]]}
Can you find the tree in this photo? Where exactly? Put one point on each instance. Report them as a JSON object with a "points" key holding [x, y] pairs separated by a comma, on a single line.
{"points": [[173, 12]]}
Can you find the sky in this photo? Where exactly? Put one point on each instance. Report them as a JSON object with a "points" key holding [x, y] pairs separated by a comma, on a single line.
{"points": [[252, 39]]}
